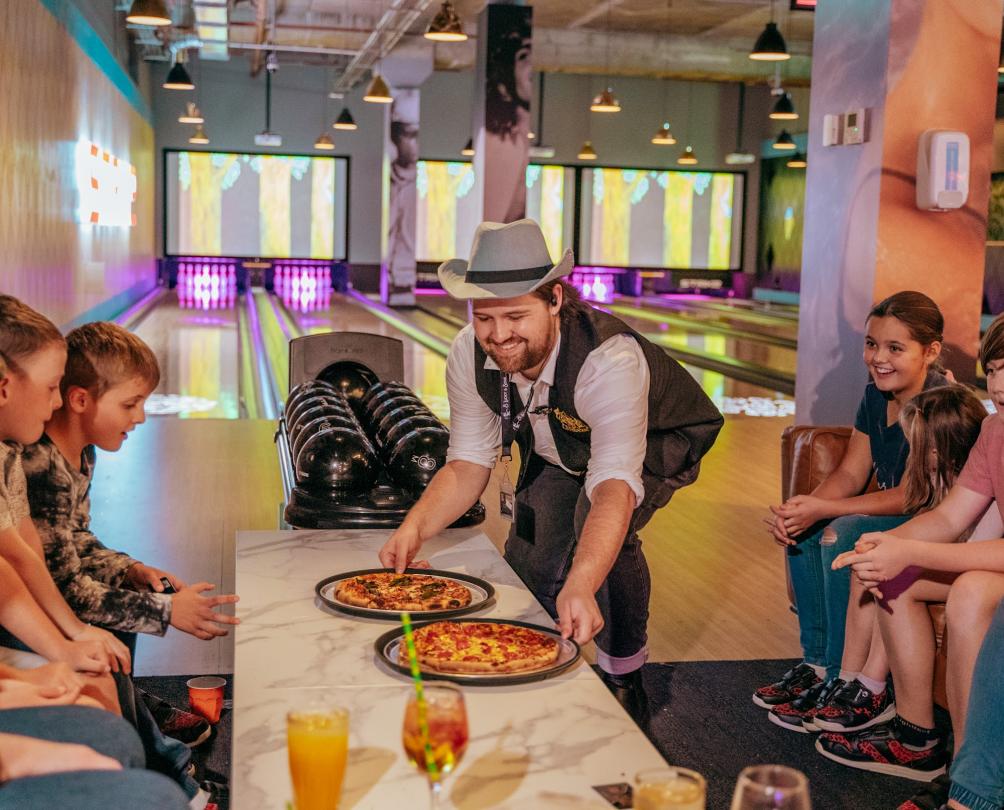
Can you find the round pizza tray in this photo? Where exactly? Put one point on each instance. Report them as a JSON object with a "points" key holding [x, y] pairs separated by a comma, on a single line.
{"points": [[390, 649], [482, 595]]}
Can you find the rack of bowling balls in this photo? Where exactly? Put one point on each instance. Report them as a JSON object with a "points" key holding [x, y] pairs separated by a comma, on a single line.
{"points": [[361, 457]]}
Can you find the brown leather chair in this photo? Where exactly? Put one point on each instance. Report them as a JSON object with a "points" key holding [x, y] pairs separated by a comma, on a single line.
{"points": [[809, 453]]}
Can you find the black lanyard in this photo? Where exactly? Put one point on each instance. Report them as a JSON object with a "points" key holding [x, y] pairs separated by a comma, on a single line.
{"points": [[510, 426]]}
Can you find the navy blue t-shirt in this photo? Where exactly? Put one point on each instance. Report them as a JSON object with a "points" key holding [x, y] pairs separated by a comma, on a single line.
{"points": [[888, 444]]}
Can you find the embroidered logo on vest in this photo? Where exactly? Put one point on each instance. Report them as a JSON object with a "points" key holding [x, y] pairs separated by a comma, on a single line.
{"points": [[569, 422]]}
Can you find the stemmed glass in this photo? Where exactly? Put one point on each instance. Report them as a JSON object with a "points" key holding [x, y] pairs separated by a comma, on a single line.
{"points": [[771, 787], [446, 716]]}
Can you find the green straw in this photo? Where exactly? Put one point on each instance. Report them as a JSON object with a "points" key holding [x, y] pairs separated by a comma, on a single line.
{"points": [[423, 716]]}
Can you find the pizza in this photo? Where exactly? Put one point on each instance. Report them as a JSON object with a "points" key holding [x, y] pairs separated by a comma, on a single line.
{"points": [[392, 591], [483, 647]]}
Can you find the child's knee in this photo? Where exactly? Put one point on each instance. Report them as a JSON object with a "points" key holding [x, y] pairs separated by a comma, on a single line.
{"points": [[973, 598]]}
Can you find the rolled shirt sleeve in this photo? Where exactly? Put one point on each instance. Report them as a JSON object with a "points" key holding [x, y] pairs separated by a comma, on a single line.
{"points": [[475, 431], [611, 396]]}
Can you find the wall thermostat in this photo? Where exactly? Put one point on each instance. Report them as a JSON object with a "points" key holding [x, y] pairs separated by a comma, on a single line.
{"points": [[942, 170]]}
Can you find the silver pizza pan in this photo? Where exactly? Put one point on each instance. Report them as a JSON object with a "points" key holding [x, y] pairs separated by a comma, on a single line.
{"points": [[482, 594], [390, 649]]}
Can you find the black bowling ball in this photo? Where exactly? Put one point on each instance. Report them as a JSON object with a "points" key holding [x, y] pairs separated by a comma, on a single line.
{"points": [[406, 425], [336, 459], [381, 409], [316, 412], [377, 387], [307, 429], [310, 401], [388, 396], [331, 405], [417, 456], [308, 387], [392, 417], [350, 378]]}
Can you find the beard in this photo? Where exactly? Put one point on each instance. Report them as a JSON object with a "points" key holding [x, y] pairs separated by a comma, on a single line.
{"points": [[527, 354]]}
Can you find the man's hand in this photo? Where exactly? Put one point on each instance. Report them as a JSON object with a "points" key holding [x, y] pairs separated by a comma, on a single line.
{"points": [[877, 557], [193, 613], [400, 549], [579, 616], [58, 674], [27, 756], [117, 652], [800, 513], [16, 694], [146, 576]]}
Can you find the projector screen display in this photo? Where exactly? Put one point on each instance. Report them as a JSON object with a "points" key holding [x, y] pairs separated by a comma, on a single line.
{"points": [[674, 219], [264, 206], [448, 212]]}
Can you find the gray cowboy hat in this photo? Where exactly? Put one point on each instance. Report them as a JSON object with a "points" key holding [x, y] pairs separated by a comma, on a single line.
{"points": [[507, 260]]}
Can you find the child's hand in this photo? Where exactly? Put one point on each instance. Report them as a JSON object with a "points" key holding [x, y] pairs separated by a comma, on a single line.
{"points": [[85, 656], [193, 613], [800, 512], [16, 694], [27, 756], [146, 576], [775, 528], [117, 652], [58, 674], [877, 558]]}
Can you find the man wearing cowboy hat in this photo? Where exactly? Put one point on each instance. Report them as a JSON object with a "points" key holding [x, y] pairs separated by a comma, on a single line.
{"points": [[608, 427]]}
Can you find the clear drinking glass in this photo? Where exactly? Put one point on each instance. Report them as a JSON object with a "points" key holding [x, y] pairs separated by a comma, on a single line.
{"points": [[318, 742], [771, 787], [669, 789], [446, 716]]}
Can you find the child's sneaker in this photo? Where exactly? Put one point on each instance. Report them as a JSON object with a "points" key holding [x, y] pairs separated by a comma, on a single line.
{"points": [[185, 727], [795, 681], [855, 708], [882, 749], [932, 796], [798, 715]]}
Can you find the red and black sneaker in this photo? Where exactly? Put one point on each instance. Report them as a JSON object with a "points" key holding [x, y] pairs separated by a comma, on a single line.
{"points": [[881, 749], [795, 681], [855, 708], [932, 796], [798, 714]]}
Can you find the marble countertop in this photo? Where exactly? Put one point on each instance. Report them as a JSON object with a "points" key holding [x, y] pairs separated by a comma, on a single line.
{"points": [[539, 745]]}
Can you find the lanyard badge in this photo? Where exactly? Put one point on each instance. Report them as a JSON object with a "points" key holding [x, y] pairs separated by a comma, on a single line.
{"points": [[510, 426]]}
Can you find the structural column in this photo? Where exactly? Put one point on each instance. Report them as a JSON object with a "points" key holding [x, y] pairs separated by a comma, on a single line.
{"points": [[912, 66]]}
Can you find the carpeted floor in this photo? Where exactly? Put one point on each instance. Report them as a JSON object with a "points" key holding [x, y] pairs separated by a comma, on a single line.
{"points": [[703, 719]]}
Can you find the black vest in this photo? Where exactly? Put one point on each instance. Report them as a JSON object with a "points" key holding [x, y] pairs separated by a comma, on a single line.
{"points": [[682, 422]]}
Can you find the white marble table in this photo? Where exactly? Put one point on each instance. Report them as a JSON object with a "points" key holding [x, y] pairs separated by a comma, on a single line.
{"points": [[539, 745]]}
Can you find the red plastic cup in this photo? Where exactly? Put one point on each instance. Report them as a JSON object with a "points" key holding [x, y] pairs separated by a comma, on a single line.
{"points": [[205, 695]]}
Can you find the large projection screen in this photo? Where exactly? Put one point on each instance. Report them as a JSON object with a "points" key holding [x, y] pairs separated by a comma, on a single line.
{"points": [[656, 218], [256, 206]]}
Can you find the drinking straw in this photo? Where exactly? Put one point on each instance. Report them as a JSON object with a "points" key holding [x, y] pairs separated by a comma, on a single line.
{"points": [[423, 716]]}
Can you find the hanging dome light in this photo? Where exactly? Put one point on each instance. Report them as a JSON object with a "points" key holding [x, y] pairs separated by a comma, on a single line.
{"points": [[784, 108], [445, 26], [797, 162], [199, 136], [177, 76], [663, 136], [468, 150], [770, 45], [687, 157], [345, 121], [148, 12], [324, 142], [784, 141], [605, 102], [587, 152], [192, 115], [378, 92]]}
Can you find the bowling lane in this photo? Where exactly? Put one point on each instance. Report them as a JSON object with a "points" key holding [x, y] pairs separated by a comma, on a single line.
{"points": [[712, 313]]}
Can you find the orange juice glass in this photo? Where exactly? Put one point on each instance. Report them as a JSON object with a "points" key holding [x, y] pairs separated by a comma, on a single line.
{"points": [[318, 742]]}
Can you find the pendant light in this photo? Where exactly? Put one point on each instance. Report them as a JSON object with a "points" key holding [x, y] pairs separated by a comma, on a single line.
{"points": [[445, 26], [586, 152], [739, 157], [199, 136], [784, 108], [606, 101], [663, 136], [148, 12], [687, 157], [177, 76], [468, 150], [191, 115], [770, 45], [324, 142], [784, 142], [345, 121], [378, 92], [797, 162]]}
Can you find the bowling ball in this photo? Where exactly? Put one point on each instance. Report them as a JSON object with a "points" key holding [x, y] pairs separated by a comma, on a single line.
{"points": [[308, 387], [307, 414], [408, 424], [333, 403], [417, 456], [336, 459], [393, 416], [308, 429], [351, 378], [377, 387], [396, 397], [389, 404]]}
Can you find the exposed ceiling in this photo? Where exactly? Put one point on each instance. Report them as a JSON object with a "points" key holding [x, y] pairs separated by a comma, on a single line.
{"points": [[700, 39]]}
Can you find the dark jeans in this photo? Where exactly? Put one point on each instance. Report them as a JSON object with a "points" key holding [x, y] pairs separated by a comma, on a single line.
{"points": [[551, 509], [86, 790]]}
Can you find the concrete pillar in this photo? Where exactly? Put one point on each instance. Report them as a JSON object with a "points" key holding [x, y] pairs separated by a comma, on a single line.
{"points": [[913, 65]]}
